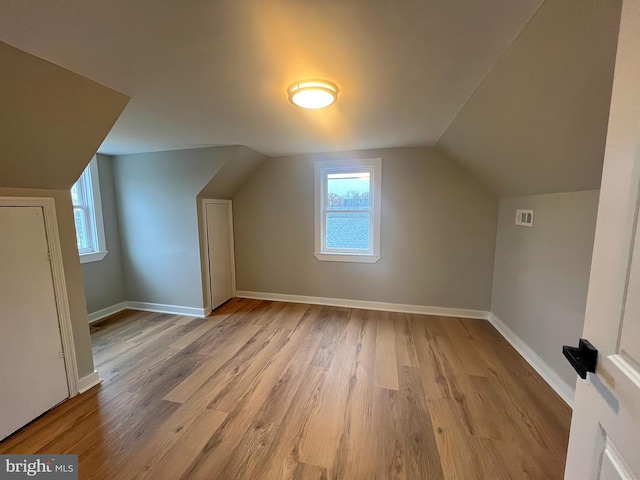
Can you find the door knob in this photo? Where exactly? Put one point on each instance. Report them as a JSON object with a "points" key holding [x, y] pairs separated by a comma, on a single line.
{"points": [[583, 358]]}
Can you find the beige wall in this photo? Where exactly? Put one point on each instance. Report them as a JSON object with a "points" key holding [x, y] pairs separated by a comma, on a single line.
{"points": [[51, 124], [52, 121], [541, 273], [72, 271], [437, 240], [538, 122], [242, 162]]}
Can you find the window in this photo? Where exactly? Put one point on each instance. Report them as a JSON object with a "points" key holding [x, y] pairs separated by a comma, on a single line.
{"points": [[87, 214], [348, 210]]}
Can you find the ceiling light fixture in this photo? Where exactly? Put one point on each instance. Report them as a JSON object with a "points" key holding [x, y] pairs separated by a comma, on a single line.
{"points": [[313, 94]]}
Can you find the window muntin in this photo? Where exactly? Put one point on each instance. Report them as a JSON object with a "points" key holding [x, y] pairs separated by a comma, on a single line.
{"points": [[348, 210], [87, 215]]}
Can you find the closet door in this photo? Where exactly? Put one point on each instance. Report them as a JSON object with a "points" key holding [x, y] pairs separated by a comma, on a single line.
{"points": [[33, 378], [219, 220]]}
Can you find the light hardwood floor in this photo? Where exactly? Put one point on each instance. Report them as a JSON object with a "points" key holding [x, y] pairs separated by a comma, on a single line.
{"points": [[270, 390]]}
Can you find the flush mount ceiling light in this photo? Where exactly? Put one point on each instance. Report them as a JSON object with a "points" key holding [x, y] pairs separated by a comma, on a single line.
{"points": [[313, 93]]}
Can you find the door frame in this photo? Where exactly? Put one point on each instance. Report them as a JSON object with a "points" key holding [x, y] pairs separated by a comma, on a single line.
{"points": [[59, 283], [205, 235]]}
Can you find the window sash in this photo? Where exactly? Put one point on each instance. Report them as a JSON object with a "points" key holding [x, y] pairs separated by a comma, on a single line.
{"points": [[325, 172], [84, 204], [81, 189], [341, 210], [89, 231], [355, 251]]}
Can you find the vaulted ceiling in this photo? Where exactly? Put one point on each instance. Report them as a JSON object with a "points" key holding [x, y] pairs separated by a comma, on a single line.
{"points": [[515, 91], [51, 121], [215, 72], [538, 122]]}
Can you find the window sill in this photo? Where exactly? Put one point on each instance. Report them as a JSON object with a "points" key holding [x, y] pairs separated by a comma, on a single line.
{"points": [[347, 257], [92, 257]]}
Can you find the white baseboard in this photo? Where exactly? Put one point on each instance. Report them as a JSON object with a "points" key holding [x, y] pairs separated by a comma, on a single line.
{"points": [[161, 308], [105, 312], [383, 306], [90, 381], [539, 365], [147, 307]]}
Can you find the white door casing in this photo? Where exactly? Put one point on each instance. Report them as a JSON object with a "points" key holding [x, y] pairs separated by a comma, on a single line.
{"points": [[34, 374], [220, 265], [605, 429], [59, 281]]}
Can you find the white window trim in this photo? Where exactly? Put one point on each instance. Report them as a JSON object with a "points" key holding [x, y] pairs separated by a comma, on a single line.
{"points": [[322, 168], [98, 222]]}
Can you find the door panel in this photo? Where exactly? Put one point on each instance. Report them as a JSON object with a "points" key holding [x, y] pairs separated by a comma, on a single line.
{"points": [[630, 337], [220, 248], [613, 465], [605, 428], [32, 371]]}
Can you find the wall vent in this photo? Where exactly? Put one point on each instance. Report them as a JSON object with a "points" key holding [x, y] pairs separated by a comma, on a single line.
{"points": [[524, 218]]}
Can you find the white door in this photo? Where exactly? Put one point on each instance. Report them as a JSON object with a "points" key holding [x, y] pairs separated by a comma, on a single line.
{"points": [[33, 378], [219, 220], [605, 429]]}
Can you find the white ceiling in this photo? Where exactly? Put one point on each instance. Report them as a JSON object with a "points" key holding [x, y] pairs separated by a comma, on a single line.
{"points": [[215, 72]]}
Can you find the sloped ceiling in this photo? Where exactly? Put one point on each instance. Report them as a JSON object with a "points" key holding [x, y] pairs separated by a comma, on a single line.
{"points": [[526, 116], [215, 72], [538, 122], [232, 175], [52, 121]]}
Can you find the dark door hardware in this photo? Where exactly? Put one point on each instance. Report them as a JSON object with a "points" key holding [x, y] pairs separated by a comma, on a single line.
{"points": [[583, 359]]}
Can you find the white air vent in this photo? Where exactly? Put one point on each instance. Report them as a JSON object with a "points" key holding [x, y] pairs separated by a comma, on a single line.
{"points": [[524, 218]]}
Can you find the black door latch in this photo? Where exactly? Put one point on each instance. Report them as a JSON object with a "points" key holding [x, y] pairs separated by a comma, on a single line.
{"points": [[583, 359]]}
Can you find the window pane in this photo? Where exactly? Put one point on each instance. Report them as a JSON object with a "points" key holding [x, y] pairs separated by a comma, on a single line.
{"points": [[348, 191], [350, 231], [82, 229], [76, 195]]}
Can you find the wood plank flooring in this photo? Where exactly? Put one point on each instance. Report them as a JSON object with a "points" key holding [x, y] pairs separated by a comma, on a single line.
{"points": [[270, 390]]}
